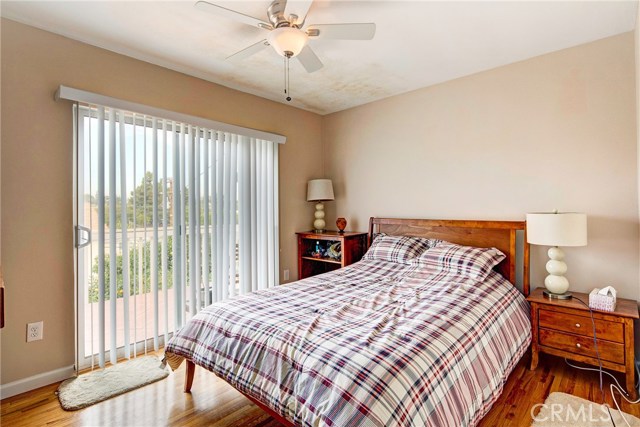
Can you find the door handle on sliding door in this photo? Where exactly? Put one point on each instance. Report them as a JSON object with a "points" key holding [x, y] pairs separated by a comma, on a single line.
{"points": [[79, 242]]}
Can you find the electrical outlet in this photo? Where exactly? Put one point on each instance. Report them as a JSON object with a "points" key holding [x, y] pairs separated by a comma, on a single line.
{"points": [[285, 275], [34, 331]]}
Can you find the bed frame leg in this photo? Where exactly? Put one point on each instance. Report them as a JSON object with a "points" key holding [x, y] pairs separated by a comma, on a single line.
{"points": [[188, 378]]}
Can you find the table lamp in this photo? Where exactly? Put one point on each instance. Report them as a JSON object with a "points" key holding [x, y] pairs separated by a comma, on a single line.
{"points": [[557, 229], [319, 190]]}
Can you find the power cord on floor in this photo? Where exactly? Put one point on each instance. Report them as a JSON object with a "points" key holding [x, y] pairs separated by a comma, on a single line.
{"points": [[600, 370], [584, 368], [612, 388]]}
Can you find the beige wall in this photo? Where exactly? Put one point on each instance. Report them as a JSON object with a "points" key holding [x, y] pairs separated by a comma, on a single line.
{"points": [[637, 63], [557, 131], [37, 255], [636, 34], [554, 132]]}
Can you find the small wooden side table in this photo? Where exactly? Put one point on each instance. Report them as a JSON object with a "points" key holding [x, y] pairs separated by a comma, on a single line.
{"points": [[564, 328], [354, 245]]}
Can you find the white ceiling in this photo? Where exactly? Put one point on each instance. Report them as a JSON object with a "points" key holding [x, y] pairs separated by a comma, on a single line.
{"points": [[417, 43]]}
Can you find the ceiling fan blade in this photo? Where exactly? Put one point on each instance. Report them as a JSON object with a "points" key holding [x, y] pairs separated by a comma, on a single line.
{"points": [[300, 8], [231, 14], [309, 60], [248, 51], [343, 31]]}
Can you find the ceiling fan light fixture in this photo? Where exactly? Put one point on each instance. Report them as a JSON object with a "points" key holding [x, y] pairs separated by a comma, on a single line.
{"points": [[288, 41]]}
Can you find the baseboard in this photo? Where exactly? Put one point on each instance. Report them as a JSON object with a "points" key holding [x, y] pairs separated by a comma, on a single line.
{"points": [[36, 381]]}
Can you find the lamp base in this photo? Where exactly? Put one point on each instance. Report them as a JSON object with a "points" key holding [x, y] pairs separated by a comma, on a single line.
{"points": [[551, 295], [318, 223]]}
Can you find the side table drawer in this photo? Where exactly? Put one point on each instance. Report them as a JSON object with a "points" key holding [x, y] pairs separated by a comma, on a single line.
{"points": [[581, 325], [610, 351]]}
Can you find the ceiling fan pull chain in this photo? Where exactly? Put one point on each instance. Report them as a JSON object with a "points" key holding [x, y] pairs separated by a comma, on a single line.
{"points": [[284, 63], [287, 75]]}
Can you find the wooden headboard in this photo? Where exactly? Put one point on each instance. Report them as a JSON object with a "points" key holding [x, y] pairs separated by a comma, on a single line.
{"points": [[482, 234]]}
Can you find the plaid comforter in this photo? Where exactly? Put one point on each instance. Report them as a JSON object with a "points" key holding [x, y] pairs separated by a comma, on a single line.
{"points": [[373, 344]]}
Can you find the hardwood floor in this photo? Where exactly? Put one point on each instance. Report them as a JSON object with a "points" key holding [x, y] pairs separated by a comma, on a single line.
{"points": [[215, 403], [525, 388]]}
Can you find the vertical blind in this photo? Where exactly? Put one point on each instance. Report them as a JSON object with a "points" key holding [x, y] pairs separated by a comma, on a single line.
{"points": [[184, 216]]}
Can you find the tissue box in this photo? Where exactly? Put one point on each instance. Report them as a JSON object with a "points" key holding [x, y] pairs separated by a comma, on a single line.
{"points": [[598, 301]]}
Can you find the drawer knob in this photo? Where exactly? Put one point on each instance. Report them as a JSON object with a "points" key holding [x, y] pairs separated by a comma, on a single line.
{"points": [[578, 345], [577, 325]]}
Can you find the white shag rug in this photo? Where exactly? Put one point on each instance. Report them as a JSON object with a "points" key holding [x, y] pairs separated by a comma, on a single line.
{"points": [[566, 410], [96, 386]]}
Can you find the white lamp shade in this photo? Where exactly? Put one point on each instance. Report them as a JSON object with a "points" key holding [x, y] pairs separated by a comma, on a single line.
{"points": [[319, 189], [288, 39], [557, 229]]}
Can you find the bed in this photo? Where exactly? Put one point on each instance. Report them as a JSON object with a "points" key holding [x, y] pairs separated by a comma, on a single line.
{"points": [[394, 339]]}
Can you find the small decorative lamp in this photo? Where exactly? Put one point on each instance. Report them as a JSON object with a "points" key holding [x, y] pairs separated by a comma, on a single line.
{"points": [[319, 190], [557, 229]]}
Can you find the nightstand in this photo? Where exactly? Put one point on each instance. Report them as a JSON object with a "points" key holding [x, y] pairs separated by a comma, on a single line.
{"points": [[563, 328], [354, 245]]}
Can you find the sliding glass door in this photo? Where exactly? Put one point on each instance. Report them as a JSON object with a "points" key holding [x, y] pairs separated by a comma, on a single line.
{"points": [[169, 218]]}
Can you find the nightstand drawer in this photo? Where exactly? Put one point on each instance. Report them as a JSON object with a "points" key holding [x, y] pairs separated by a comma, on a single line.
{"points": [[613, 352], [581, 325]]}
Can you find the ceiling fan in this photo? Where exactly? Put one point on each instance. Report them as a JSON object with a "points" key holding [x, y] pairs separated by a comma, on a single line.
{"points": [[287, 32]]}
